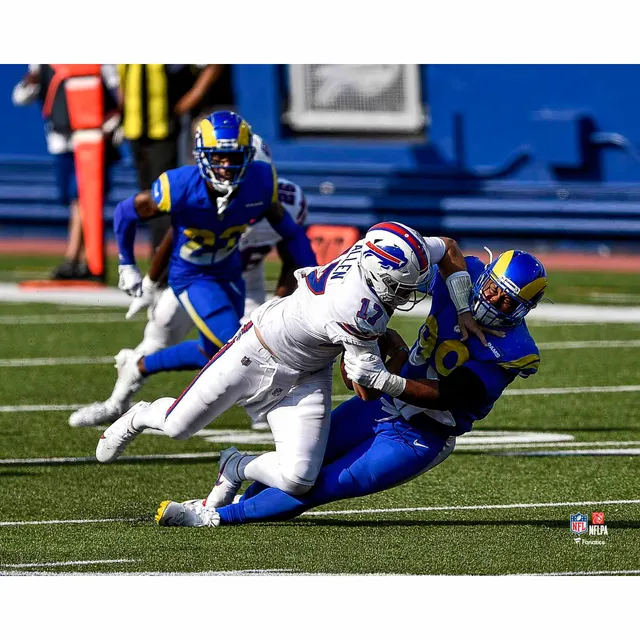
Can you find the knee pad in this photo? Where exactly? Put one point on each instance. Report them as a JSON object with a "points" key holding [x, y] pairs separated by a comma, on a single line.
{"points": [[299, 477], [293, 487]]}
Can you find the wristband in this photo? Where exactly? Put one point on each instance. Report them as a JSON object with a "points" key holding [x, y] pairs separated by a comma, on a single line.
{"points": [[393, 385], [459, 285]]}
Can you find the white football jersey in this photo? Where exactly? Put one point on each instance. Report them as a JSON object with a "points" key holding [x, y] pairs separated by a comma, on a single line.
{"points": [[332, 308], [258, 240]]}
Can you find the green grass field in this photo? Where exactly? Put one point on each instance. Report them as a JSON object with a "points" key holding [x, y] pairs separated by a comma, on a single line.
{"points": [[499, 505]]}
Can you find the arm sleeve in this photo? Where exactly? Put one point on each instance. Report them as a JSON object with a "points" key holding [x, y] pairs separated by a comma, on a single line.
{"points": [[125, 221], [436, 247]]}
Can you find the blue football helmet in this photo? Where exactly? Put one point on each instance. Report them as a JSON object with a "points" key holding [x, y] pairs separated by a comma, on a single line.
{"points": [[517, 274], [223, 150]]}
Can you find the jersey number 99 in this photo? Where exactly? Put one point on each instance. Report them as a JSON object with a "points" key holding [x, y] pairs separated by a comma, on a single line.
{"points": [[449, 354]]}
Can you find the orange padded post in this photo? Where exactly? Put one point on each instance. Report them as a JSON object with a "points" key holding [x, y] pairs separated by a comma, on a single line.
{"points": [[85, 104]]}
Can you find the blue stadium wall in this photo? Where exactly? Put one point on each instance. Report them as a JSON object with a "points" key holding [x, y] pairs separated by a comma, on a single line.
{"points": [[511, 150]]}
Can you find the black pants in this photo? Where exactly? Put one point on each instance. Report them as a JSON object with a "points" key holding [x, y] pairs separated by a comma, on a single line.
{"points": [[153, 157]]}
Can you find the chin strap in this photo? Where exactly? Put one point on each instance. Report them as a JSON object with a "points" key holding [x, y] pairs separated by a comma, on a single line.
{"points": [[222, 203]]}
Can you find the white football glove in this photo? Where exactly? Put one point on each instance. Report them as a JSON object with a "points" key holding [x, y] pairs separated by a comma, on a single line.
{"points": [[130, 280], [149, 297], [367, 370]]}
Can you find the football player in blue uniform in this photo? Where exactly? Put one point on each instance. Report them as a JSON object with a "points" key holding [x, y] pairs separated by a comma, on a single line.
{"points": [[210, 204], [451, 383]]}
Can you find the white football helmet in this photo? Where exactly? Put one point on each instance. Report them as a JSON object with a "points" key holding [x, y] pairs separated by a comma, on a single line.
{"points": [[395, 263]]}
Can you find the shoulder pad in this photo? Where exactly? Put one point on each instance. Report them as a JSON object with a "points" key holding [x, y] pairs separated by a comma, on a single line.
{"points": [[168, 190], [516, 352]]}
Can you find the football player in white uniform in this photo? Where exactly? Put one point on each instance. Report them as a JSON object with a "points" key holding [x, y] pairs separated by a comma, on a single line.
{"points": [[169, 323], [279, 364]]}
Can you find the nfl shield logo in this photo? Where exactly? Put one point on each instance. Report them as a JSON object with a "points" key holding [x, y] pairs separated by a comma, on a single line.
{"points": [[578, 523]]}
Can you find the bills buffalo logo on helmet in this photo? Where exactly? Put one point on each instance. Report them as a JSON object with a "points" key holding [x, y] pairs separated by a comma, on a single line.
{"points": [[389, 257]]}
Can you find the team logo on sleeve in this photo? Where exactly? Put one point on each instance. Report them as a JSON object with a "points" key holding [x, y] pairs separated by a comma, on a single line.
{"points": [[388, 257]]}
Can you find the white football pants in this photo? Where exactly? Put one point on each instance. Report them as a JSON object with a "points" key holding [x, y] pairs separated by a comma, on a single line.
{"points": [[297, 406]]}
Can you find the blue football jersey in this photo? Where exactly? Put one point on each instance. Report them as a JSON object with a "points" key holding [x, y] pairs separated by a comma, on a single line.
{"points": [[438, 351], [203, 244]]}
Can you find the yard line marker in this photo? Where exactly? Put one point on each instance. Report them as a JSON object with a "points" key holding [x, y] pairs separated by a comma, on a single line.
{"points": [[477, 444], [579, 573], [51, 362], [573, 452], [90, 521], [64, 564], [545, 346], [39, 407], [78, 318], [293, 572], [568, 390], [543, 391], [526, 505], [588, 344], [200, 455], [237, 572]]}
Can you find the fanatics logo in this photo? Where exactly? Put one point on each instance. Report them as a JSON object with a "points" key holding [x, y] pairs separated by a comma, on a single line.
{"points": [[245, 361]]}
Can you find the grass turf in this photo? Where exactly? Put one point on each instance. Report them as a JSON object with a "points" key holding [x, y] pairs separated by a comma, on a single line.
{"points": [[451, 541]]}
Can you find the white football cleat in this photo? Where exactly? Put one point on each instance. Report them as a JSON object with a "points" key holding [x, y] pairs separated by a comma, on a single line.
{"points": [[227, 484], [96, 414], [118, 436], [129, 377], [192, 513]]}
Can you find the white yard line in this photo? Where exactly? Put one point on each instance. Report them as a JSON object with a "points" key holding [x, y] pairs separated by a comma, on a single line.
{"points": [[579, 573], [572, 453], [18, 408], [65, 564], [293, 572], [543, 391], [53, 362], [200, 455], [112, 297], [81, 360], [237, 572], [479, 507], [79, 318], [472, 444], [588, 344], [12, 523]]}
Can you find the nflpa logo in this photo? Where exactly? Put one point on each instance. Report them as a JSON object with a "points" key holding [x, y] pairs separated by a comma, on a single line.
{"points": [[597, 517]]}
